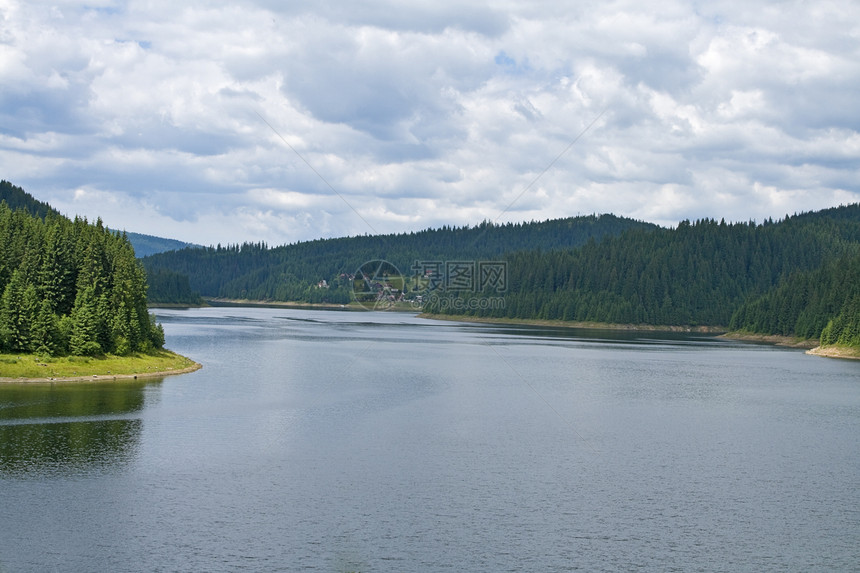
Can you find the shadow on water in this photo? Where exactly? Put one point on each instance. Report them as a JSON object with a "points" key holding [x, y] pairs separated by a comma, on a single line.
{"points": [[62, 429]]}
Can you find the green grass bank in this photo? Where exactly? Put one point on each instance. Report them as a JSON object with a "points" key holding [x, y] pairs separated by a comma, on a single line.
{"points": [[20, 368]]}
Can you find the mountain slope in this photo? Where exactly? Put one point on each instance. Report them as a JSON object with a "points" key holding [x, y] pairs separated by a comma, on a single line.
{"points": [[17, 198], [697, 274], [145, 245], [807, 303], [292, 272]]}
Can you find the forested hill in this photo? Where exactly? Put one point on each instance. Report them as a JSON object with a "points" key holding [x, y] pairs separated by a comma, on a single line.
{"points": [[70, 287], [73, 286], [293, 272], [145, 245], [699, 273], [17, 198], [823, 303]]}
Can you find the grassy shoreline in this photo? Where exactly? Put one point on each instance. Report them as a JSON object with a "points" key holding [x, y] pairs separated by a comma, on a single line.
{"points": [[29, 368]]}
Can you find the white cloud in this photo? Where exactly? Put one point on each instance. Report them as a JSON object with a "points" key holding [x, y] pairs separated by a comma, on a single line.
{"points": [[281, 122]]}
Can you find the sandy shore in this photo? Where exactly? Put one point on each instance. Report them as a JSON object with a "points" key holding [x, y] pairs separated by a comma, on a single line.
{"points": [[102, 377]]}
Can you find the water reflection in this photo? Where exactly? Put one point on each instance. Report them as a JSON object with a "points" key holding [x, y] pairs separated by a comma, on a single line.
{"points": [[48, 429]]}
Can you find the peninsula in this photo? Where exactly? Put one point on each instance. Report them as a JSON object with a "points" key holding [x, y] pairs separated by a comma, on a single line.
{"points": [[73, 299], [26, 368]]}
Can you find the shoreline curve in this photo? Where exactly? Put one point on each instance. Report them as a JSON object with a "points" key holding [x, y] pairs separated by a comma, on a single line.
{"points": [[102, 377]]}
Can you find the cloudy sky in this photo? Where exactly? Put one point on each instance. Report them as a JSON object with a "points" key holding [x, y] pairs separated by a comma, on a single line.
{"points": [[294, 120]]}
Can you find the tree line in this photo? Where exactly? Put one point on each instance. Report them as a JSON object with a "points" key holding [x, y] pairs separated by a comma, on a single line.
{"points": [[170, 287], [70, 287], [293, 272], [701, 273], [16, 198], [823, 303], [789, 277]]}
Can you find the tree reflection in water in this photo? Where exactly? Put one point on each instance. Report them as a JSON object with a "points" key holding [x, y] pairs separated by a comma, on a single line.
{"points": [[73, 428]]}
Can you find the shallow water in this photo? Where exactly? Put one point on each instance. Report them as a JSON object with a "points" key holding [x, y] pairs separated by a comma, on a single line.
{"points": [[345, 441]]}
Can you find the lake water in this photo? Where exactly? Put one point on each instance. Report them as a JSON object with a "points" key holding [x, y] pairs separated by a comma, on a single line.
{"points": [[345, 441]]}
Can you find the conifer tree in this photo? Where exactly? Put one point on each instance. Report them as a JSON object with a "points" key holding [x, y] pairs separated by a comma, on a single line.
{"points": [[16, 314], [85, 324], [46, 336], [69, 286]]}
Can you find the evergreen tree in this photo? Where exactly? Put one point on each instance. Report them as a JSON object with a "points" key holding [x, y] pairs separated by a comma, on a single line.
{"points": [[17, 314], [69, 286], [57, 275], [85, 324], [46, 335]]}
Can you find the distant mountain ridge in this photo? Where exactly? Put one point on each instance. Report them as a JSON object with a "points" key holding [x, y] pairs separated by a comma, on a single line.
{"points": [[145, 245]]}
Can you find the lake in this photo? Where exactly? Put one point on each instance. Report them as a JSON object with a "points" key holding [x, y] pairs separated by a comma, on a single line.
{"points": [[346, 441]]}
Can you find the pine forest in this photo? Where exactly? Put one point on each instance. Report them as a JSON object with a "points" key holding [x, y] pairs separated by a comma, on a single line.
{"points": [[70, 287]]}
